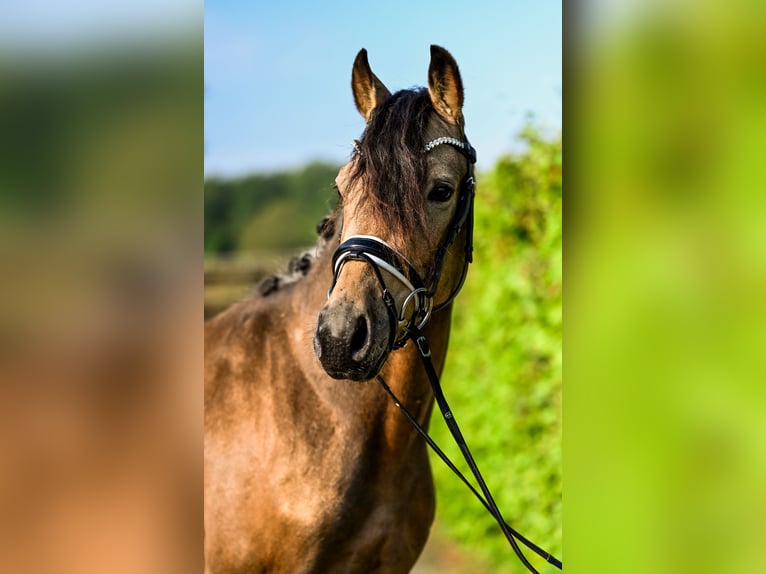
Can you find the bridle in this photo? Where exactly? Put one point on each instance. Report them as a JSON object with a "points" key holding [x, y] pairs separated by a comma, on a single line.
{"points": [[380, 255]]}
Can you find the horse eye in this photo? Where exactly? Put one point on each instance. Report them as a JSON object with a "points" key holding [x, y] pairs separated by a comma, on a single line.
{"points": [[441, 193]]}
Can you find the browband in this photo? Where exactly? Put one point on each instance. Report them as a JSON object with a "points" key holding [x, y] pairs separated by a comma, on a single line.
{"points": [[463, 145]]}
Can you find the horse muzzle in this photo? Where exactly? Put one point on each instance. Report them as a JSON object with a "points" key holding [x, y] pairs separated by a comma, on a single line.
{"points": [[351, 341]]}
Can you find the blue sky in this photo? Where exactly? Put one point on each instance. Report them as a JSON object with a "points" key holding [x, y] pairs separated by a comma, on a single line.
{"points": [[277, 74]]}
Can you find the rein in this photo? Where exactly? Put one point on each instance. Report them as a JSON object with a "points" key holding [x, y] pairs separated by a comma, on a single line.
{"points": [[487, 500], [379, 255]]}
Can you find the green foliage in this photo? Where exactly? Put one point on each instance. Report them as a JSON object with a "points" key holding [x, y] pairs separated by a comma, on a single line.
{"points": [[503, 371], [272, 211], [99, 131]]}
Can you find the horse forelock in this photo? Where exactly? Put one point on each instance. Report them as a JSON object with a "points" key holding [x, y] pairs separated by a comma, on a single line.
{"points": [[391, 166]]}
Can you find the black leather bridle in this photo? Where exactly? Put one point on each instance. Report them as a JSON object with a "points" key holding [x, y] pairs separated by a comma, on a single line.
{"points": [[380, 255]]}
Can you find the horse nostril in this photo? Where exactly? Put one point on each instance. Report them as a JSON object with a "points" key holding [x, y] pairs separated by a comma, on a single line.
{"points": [[360, 335]]}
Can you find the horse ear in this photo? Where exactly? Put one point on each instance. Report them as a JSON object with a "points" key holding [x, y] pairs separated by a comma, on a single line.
{"points": [[369, 91], [445, 86]]}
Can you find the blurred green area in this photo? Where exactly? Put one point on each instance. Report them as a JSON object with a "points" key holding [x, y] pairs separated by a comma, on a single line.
{"points": [[107, 129], [665, 443]]}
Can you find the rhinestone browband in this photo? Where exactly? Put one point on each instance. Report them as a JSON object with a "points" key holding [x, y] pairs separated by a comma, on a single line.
{"points": [[446, 140], [429, 146]]}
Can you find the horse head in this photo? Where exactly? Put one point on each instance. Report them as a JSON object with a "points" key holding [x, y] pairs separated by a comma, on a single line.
{"points": [[406, 210]]}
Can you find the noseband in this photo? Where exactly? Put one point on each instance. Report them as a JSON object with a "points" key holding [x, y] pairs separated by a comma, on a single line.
{"points": [[380, 255]]}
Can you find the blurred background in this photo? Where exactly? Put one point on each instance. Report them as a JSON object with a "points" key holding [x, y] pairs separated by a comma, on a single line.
{"points": [[102, 172], [665, 441], [279, 121], [101, 192]]}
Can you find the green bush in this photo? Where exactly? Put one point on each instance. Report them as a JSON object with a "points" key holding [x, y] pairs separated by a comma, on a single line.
{"points": [[503, 371]]}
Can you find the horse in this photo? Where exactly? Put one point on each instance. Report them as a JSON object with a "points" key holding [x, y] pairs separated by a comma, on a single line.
{"points": [[309, 466]]}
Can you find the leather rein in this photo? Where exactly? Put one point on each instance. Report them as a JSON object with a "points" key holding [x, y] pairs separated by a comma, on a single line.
{"points": [[380, 255]]}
